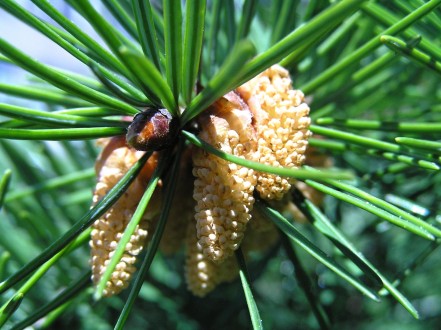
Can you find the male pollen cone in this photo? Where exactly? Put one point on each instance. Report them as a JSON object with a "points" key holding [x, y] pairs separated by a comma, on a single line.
{"points": [[114, 161], [223, 190]]}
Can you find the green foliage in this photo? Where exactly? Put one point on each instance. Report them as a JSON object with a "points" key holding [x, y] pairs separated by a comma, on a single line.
{"points": [[371, 72]]}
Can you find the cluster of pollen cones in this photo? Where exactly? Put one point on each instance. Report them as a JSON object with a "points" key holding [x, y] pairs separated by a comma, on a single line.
{"points": [[264, 120]]}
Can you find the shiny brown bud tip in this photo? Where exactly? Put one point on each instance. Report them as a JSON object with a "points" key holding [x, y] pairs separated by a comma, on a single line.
{"points": [[152, 130]]}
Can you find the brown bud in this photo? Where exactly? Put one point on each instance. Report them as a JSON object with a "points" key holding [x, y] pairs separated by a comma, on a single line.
{"points": [[152, 130]]}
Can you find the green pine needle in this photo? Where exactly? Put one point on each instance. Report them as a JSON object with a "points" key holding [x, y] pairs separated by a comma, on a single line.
{"points": [[256, 320], [301, 174], [288, 229]]}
